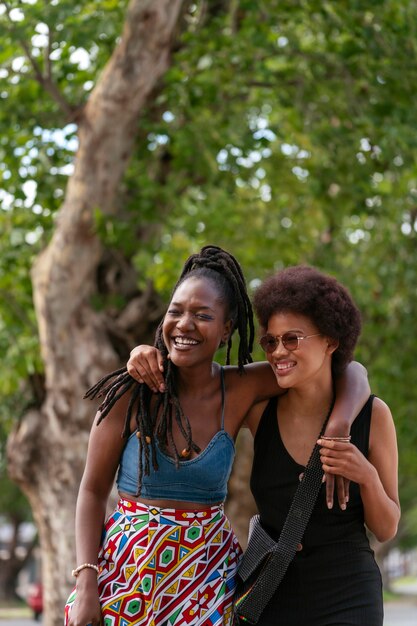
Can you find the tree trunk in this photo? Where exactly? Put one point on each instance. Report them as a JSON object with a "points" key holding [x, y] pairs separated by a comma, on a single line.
{"points": [[240, 505], [46, 452]]}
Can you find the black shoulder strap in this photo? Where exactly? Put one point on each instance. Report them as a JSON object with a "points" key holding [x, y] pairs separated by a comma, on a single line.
{"points": [[222, 384]]}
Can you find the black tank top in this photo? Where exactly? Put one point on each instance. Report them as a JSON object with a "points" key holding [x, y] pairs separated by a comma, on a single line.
{"points": [[275, 476]]}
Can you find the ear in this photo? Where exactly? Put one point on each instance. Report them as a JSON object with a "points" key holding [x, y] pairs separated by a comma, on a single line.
{"points": [[227, 331], [332, 345]]}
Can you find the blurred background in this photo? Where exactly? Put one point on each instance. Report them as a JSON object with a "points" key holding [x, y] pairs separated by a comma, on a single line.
{"points": [[133, 133]]}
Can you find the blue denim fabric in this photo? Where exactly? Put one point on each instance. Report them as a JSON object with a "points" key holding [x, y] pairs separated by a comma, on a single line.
{"points": [[202, 479]]}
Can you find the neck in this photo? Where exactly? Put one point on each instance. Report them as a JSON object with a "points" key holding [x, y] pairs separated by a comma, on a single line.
{"points": [[195, 381], [312, 402]]}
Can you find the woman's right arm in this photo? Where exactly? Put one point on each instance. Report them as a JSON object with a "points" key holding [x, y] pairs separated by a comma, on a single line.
{"points": [[104, 449], [145, 365]]}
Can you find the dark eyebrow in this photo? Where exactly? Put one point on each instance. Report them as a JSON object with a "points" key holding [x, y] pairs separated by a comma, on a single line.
{"points": [[198, 307]]}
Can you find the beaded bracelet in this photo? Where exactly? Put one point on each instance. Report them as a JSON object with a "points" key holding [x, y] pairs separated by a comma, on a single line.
{"points": [[341, 439], [78, 569]]}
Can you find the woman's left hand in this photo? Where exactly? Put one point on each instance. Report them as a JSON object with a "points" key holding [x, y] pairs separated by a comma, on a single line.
{"points": [[339, 485]]}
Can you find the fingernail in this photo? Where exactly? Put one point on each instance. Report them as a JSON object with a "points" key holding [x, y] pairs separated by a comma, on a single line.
{"points": [[343, 507], [329, 505]]}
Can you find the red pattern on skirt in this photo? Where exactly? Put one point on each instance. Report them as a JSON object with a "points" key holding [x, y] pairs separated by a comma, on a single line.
{"points": [[166, 567]]}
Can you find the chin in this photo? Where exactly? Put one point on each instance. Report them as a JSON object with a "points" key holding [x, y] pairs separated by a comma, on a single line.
{"points": [[285, 382]]}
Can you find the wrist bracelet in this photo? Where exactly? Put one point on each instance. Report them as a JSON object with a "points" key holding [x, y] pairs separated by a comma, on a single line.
{"points": [[78, 569], [341, 439]]}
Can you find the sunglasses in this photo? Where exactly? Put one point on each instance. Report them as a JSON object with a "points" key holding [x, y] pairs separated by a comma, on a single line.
{"points": [[290, 341]]}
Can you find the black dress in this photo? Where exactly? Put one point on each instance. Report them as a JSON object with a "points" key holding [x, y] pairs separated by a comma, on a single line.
{"points": [[333, 579]]}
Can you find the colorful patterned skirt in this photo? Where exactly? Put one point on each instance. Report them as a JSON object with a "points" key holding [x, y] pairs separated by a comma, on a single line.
{"points": [[166, 567]]}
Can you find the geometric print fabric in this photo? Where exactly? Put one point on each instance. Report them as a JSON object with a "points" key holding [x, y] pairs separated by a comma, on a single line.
{"points": [[166, 567]]}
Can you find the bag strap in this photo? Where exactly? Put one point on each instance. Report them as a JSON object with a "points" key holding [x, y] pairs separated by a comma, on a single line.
{"points": [[281, 554]]}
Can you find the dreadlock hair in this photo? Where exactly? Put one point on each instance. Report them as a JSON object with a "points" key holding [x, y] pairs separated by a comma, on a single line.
{"points": [[222, 269]]}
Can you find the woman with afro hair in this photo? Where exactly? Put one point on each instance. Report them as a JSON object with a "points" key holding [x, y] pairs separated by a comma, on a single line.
{"points": [[310, 326]]}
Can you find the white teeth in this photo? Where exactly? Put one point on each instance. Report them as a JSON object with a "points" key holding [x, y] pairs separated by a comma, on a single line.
{"points": [[284, 366], [185, 341]]}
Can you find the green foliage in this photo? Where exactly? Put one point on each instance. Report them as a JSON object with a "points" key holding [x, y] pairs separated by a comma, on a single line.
{"points": [[13, 504], [284, 131], [37, 146]]}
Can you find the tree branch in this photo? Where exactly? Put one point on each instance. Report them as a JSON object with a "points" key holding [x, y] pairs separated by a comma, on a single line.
{"points": [[44, 80], [48, 52]]}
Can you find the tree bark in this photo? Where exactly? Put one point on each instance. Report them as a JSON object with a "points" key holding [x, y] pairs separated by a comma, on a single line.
{"points": [[46, 452], [240, 504]]}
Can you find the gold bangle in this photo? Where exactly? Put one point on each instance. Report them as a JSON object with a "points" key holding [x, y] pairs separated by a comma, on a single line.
{"points": [[78, 569]]}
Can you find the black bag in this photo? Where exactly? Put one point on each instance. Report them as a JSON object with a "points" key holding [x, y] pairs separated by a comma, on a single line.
{"points": [[255, 559]]}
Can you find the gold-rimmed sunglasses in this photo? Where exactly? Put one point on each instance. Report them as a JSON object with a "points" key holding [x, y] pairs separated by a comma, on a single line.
{"points": [[290, 341]]}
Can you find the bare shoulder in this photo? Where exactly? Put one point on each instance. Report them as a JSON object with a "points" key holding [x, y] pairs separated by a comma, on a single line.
{"points": [[381, 413], [105, 446], [107, 428], [382, 424]]}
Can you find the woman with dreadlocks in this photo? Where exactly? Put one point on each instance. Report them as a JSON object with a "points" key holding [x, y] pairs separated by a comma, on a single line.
{"points": [[167, 555]]}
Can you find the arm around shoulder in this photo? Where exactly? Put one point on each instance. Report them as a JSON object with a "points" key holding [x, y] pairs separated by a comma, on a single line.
{"points": [[352, 391], [260, 380]]}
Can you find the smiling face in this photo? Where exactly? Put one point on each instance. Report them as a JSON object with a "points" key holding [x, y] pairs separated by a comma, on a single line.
{"points": [[311, 359], [194, 325]]}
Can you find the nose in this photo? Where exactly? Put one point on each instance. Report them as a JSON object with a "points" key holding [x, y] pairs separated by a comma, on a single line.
{"points": [[186, 321]]}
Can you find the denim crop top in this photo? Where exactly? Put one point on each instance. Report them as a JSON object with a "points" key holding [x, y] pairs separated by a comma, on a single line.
{"points": [[202, 479]]}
